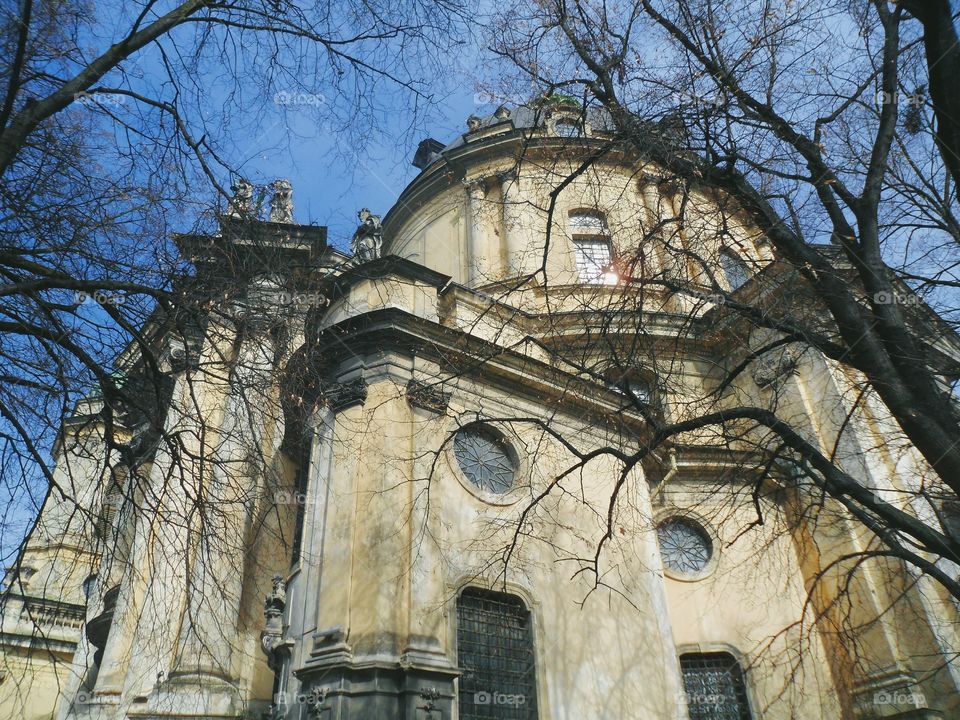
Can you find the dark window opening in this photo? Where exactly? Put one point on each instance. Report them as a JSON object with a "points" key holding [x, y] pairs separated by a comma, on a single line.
{"points": [[303, 480], [714, 686], [496, 657]]}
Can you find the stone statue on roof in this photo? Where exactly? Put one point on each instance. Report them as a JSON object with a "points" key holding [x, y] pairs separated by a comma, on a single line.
{"points": [[281, 204], [241, 204], [368, 239]]}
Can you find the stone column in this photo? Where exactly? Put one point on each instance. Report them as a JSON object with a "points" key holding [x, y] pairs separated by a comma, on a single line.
{"points": [[514, 241], [209, 630], [484, 255], [303, 586], [651, 217], [427, 637], [871, 660], [203, 676], [146, 618]]}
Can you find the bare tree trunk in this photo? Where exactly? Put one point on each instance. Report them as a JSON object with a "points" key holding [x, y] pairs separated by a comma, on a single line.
{"points": [[943, 63]]}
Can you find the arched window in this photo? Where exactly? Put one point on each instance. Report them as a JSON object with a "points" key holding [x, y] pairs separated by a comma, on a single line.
{"points": [[714, 686], [591, 245], [734, 269], [495, 655]]}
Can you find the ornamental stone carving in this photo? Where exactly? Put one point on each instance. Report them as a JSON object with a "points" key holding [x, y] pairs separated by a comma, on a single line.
{"points": [[281, 204], [367, 241], [343, 395], [271, 639], [773, 367], [241, 205], [316, 701], [427, 396]]}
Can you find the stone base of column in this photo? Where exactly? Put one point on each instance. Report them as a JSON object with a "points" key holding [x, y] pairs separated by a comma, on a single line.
{"points": [[190, 696], [374, 689], [892, 695]]}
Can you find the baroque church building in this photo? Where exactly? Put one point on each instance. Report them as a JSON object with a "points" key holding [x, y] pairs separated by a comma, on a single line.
{"points": [[424, 481]]}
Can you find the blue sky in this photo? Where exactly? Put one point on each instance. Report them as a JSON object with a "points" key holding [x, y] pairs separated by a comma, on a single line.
{"points": [[328, 190]]}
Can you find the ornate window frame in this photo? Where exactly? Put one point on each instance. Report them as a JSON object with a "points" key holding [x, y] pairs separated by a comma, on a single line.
{"points": [[581, 236], [732, 261], [565, 117]]}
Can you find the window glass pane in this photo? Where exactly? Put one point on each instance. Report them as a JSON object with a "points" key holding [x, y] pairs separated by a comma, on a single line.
{"points": [[593, 260], [88, 586], [485, 459], [684, 546], [640, 389], [714, 686], [588, 221], [495, 655], [734, 268]]}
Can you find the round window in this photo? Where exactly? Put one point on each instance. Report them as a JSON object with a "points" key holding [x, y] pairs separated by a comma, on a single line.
{"points": [[684, 546], [485, 458]]}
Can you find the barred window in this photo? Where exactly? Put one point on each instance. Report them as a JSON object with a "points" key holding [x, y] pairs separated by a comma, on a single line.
{"points": [[593, 260], [714, 686], [496, 658], [303, 481]]}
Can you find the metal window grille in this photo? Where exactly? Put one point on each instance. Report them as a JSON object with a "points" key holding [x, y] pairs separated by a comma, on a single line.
{"points": [[593, 258], [714, 686], [590, 222], [684, 546], [485, 459], [496, 658]]}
